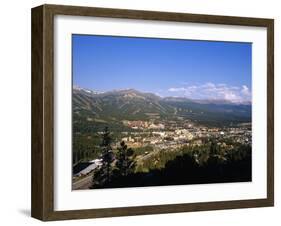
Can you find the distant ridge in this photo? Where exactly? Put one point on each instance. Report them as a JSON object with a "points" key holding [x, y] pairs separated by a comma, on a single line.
{"points": [[135, 92], [93, 108]]}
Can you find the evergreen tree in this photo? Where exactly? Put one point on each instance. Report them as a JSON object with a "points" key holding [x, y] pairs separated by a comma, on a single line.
{"points": [[102, 175], [213, 149], [125, 163]]}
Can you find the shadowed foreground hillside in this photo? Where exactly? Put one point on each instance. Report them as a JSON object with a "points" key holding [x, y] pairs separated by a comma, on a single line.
{"points": [[185, 170]]}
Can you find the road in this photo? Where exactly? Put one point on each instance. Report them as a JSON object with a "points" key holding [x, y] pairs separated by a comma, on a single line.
{"points": [[84, 183]]}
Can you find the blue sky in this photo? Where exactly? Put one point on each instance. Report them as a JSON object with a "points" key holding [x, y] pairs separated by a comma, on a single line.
{"points": [[185, 68]]}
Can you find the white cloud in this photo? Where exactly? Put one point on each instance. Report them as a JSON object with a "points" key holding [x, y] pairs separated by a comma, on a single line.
{"points": [[209, 85], [245, 90], [176, 89], [213, 91]]}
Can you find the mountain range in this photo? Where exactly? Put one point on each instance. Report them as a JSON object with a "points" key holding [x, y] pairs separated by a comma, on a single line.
{"points": [[129, 104]]}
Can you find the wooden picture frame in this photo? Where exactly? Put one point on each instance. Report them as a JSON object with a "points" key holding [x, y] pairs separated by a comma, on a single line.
{"points": [[43, 112]]}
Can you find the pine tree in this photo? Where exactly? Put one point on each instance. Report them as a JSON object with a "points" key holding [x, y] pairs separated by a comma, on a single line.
{"points": [[102, 176], [125, 163], [213, 149]]}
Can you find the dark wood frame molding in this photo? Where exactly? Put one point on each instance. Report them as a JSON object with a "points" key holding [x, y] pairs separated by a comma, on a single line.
{"points": [[42, 203]]}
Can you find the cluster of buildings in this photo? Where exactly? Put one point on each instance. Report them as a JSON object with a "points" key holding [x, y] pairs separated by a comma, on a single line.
{"points": [[163, 136], [143, 124]]}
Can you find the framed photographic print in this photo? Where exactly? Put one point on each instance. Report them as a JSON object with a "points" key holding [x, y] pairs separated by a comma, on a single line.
{"points": [[141, 112]]}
